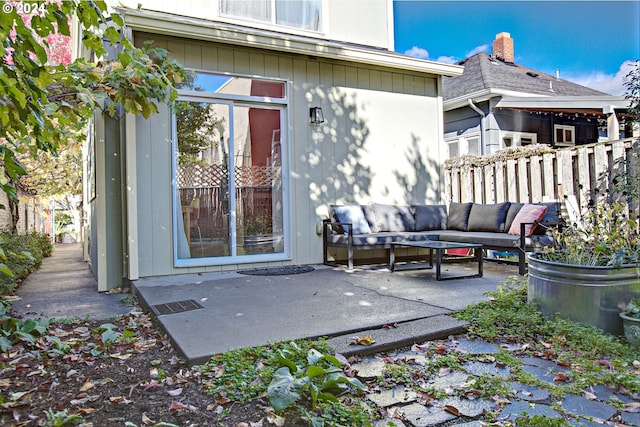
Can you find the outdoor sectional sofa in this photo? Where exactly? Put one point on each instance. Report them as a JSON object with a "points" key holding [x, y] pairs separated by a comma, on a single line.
{"points": [[509, 227]]}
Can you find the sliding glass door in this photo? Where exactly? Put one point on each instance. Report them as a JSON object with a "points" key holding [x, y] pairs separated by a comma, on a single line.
{"points": [[229, 175]]}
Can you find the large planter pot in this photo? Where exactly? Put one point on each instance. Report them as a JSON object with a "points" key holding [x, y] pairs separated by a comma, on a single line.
{"points": [[585, 294], [631, 327]]}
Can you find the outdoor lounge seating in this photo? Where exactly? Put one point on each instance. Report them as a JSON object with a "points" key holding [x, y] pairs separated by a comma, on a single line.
{"points": [[510, 227]]}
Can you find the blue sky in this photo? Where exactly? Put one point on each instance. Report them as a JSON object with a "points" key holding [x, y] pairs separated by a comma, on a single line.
{"points": [[590, 42]]}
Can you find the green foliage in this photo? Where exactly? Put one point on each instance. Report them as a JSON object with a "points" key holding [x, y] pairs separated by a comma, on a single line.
{"points": [[633, 308], [595, 357], [541, 421], [322, 379], [44, 105], [632, 92], [337, 414], [507, 315], [606, 235], [62, 418], [243, 374], [14, 330], [20, 254]]}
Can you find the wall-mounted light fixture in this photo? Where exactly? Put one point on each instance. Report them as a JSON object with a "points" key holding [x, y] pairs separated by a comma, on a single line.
{"points": [[315, 115]]}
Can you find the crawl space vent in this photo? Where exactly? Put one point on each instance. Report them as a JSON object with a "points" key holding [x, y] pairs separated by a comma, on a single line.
{"points": [[175, 307]]}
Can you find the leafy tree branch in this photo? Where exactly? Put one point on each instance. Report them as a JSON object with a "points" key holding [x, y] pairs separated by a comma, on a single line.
{"points": [[42, 105]]}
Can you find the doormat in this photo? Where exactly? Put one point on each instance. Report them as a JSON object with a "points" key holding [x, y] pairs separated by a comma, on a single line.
{"points": [[278, 271], [175, 307]]}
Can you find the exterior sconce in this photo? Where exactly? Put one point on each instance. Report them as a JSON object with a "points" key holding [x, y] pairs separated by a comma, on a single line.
{"points": [[315, 115]]}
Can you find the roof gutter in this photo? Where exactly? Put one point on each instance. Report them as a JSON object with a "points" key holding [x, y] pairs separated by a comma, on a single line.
{"points": [[482, 117], [201, 29]]}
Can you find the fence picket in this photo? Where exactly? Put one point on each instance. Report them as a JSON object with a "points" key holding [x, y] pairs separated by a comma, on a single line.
{"points": [[535, 177]]}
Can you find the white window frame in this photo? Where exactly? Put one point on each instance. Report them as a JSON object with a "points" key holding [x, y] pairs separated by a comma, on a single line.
{"points": [[241, 100], [564, 128], [517, 138], [463, 143]]}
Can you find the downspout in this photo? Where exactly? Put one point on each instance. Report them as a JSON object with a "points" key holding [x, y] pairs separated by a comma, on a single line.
{"points": [[482, 116]]}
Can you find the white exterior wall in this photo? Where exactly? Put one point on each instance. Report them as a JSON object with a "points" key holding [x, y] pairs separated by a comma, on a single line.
{"points": [[366, 22], [379, 143]]}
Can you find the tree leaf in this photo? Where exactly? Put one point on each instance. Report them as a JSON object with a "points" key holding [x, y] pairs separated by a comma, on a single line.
{"points": [[284, 390]]}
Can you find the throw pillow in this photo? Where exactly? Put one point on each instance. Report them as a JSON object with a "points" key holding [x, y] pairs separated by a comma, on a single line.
{"points": [[489, 217], [352, 214], [430, 217], [459, 216], [528, 214]]}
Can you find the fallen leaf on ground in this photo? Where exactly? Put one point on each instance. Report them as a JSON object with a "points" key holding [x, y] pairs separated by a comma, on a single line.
{"points": [[560, 377], [177, 406], [174, 393], [365, 340], [452, 410]]}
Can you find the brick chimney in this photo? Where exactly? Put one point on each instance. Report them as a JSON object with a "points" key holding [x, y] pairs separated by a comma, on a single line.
{"points": [[503, 47]]}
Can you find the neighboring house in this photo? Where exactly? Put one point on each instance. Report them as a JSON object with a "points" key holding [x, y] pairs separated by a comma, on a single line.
{"points": [[497, 103], [237, 176]]}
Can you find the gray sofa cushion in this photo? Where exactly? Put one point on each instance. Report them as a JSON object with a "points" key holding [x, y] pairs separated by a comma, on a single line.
{"points": [[384, 238], [499, 240], [514, 208], [459, 216], [393, 218], [351, 214], [430, 217], [370, 215], [489, 217]]}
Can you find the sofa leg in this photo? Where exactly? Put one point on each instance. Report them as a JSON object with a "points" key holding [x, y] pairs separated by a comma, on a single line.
{"points": [[350, 258], [522, 266]]}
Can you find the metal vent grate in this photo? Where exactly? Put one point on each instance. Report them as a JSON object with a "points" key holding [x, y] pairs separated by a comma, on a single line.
{"points": [[175, 307]]}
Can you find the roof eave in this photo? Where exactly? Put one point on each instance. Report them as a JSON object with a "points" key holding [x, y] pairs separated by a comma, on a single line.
{"points": [[200, 29], [482, 95], [567, 102]]}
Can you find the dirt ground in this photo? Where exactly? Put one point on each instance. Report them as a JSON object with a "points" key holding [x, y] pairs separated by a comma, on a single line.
{"points": [[111, 373]]}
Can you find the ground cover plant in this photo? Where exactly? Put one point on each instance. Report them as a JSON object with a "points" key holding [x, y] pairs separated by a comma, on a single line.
{"points": [[124, 372], [20, 254]]}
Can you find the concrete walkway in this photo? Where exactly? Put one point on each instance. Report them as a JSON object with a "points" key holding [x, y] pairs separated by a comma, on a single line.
{"points": [[64, 287]]}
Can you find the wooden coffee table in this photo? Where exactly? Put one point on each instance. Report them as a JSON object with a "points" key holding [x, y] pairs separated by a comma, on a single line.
{"points": [[438, 246]]}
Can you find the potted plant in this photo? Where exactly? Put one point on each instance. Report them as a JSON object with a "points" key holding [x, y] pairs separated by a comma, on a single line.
{"points": [[631, 321], [593, 268]]}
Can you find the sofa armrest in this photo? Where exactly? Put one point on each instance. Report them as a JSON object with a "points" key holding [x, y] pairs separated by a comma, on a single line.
{"points": [[548, 226], [329, 226]]}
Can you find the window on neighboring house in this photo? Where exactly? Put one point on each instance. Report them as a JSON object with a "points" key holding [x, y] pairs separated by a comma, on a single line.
{"points": [[303, 14], [517, 139], [464, 145], [564, 135], [454, 149], [473, 146]]}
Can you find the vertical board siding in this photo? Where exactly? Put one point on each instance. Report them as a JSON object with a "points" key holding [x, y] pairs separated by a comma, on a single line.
{"points": [[315, 153], [536, 177]]}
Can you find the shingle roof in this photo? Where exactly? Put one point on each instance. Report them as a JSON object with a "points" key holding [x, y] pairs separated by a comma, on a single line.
{"points": [[481, 72]]}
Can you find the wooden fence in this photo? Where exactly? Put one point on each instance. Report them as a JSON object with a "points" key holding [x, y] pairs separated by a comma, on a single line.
{"points": [[541, 174]]}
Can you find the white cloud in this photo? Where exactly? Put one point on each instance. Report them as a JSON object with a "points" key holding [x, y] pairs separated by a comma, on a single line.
{"points": [[447, 59], [598, 80], [478, 49], [418, 52]]}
